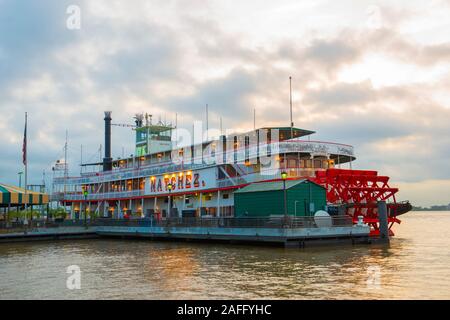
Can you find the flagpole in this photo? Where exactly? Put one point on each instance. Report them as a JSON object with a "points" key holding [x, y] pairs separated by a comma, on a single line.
{"points": [[25, 162]]}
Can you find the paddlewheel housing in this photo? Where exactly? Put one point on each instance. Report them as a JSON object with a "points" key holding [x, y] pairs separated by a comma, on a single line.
{"points": [[358, 192]]}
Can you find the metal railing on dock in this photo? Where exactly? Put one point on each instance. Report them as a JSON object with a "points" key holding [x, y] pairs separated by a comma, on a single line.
{"points": [[37, 224], [225, 222], [269, 222]]}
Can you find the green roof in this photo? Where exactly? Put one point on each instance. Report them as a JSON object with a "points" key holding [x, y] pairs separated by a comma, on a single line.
{"points": [[155, 128], [271, 186]]}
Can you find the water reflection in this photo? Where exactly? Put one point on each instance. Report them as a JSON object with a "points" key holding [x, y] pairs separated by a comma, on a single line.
{"points": [[411, 267]]}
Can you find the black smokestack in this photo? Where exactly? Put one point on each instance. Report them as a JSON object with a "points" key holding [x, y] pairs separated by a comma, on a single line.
{"points": [[107, 160]]}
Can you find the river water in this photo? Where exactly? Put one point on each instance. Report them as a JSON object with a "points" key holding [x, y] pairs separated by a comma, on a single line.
{"points": [[415, 265]]}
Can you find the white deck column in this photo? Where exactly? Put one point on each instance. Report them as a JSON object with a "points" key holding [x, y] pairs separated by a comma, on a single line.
{"points": [[218, 203], [168, 207], [142, 208], [119, 211], [183, 207]]}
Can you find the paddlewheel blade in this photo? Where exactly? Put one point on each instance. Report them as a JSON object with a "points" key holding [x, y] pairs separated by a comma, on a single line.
{"points": [[359, 191]]}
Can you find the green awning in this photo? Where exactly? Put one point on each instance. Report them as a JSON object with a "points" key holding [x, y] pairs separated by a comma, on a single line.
{"points": [[15, 196]]}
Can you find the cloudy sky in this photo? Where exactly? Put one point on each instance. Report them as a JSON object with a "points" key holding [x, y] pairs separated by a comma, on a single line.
{"points": [[374, 74]]}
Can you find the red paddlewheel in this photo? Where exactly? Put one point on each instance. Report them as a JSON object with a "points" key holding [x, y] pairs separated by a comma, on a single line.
{"points": [[360, 190]]}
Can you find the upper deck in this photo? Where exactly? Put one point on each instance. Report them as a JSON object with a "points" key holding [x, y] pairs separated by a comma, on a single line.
{"points": [[141, 167]]}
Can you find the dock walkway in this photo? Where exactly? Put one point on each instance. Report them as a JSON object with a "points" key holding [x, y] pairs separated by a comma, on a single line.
{"points": [[299, 237], [291, 232]]}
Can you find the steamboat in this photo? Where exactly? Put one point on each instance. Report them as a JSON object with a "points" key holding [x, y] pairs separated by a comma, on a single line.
{"points": [[165, 178]]}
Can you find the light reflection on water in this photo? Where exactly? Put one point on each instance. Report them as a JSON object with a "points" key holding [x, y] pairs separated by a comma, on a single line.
{"points": [[415, 265]]}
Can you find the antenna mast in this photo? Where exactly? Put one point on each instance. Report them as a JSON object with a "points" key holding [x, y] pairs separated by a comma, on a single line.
{"points": [[43, 180], [207, 124], [290, 103], [81, 160], [176, 129], [66, 172]]}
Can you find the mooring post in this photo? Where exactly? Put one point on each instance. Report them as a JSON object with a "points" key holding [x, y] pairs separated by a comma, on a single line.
{"points": [[383, 218]]}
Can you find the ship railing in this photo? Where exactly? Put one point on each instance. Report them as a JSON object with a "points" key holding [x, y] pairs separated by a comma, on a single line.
{"points": [[107, 195], [156, 169], [57, 196], [229, 182], [42, 223], [271, 174], [227, 222], [276, 222], [221, 183], [239, 155]]}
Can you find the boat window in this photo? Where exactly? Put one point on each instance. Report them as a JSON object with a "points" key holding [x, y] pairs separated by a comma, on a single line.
{"points": [[292, 163], [331, 164], [141, 136], [317, 163]]}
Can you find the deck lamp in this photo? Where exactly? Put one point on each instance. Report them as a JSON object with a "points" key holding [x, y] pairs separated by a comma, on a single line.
{"points": [[85, 193], [169, 187], [284, 176]]}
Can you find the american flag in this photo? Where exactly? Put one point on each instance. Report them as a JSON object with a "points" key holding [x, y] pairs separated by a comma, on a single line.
{"points": [[24, 148]]}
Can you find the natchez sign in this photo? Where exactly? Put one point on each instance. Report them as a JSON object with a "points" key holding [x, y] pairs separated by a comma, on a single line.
{"points": [[183, 181]]}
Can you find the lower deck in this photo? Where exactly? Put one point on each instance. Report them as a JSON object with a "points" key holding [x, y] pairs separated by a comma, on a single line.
{"points": [[198, 204]]}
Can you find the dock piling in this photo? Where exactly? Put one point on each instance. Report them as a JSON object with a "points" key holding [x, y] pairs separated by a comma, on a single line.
{"points": [[383, 218]]}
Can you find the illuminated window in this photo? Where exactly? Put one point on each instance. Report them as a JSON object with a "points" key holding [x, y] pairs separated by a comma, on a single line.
{"points": [[331, 163], [292, 163], [317, 163]]}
